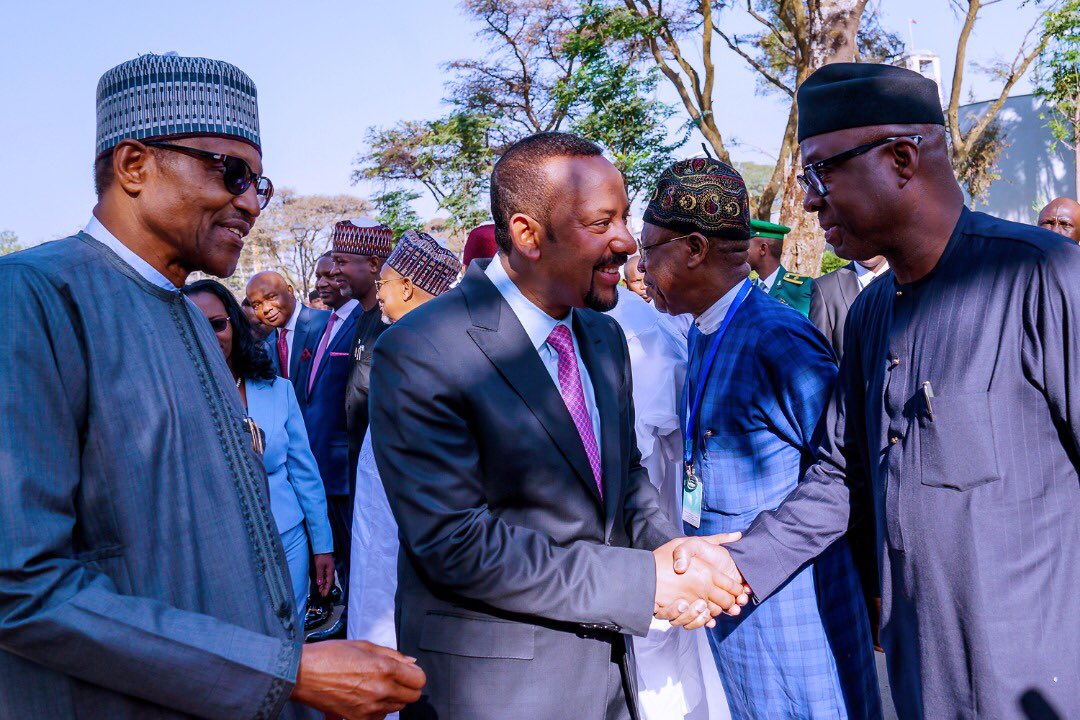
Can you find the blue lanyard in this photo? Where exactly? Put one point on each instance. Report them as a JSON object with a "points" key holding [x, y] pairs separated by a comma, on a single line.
{"points": [[703, 374]]}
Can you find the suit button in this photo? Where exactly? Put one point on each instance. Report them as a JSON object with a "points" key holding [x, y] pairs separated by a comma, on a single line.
{"points": [[893, 440], [899, 293], [708, 433]]}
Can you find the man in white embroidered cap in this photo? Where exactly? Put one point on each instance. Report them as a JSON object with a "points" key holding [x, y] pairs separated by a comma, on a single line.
{"points": [[141, 574]]}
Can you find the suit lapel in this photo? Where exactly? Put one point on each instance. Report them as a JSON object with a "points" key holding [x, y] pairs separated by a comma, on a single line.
{"points": [[849, 284], [500, 336], [604, 376], [344, 337], [299, 341], [774, 291]]}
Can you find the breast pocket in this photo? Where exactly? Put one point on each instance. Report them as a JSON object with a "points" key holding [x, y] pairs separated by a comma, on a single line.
{"points": [[957, 448]]}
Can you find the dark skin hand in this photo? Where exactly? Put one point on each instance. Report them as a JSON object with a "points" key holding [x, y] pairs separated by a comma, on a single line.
{"points": [[173, 210], [356, 680]]}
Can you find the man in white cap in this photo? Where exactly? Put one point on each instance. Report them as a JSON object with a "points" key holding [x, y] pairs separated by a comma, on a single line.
{"points": [[141, 573], [419, 269]]}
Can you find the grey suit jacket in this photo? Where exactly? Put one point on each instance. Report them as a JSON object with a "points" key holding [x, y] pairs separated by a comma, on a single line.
{"points": [[516, 579], [830, 298]]}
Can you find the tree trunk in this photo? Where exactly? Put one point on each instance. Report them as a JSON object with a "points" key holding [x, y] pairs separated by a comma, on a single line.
{"points": [[833, 27]]}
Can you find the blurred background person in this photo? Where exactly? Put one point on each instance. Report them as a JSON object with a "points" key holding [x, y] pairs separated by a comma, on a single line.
{"points": [[258, 328]]}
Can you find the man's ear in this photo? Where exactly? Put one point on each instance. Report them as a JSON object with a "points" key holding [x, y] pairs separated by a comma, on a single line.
{"points": [[905, 160], [698, 245], [132, 165], [407, 289], [525, 236], [375, 262]]}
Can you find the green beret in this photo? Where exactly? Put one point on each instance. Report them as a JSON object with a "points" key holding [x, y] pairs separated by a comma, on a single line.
{"points": [[850, 95], [762, 228], [701, 195]]}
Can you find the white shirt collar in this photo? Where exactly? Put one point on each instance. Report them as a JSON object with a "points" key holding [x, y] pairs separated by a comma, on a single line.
{"points": [[99, 232], [771, 280], [709, 321], [346, 310], [867, 276], [537, 323], [291, 325]]}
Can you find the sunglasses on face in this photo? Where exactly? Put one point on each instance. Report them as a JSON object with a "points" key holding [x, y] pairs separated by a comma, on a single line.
{"points": [[236, 174], [811, 177], [219, 325]]}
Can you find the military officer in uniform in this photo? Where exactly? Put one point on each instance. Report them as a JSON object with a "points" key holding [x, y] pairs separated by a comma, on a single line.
{"points": [[766, 247]]}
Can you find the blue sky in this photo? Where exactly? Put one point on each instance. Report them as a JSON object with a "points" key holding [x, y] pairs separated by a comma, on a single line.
{"points": [[325, 71]]}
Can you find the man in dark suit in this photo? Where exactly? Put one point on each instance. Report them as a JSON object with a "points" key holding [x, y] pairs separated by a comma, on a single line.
{"points": [[832, 294], [296, 326], [360, 248], [320, 392], [532, 540]]}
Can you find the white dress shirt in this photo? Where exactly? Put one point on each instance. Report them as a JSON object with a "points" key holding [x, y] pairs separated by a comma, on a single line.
{"points": [[771, 280], [538, 325], [99, 232], [867, 276], [709, 321]]}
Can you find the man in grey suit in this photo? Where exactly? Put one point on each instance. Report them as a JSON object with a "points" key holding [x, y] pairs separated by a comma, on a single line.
{"points": [[141, 573], [532, 540], [833, 293]]}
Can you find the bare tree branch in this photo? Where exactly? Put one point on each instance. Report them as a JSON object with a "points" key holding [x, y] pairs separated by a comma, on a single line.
{"points": [[762, 70]]}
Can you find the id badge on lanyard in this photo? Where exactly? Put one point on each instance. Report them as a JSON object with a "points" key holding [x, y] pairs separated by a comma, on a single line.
{"points": [[693, 491]]}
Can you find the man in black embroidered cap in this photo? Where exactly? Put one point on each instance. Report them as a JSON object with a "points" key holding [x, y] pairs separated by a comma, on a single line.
{"points": [[956, 408], [759, 378]]}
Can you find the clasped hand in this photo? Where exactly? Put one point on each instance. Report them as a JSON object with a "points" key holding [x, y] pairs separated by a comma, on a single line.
{"points": [[696, 580]]}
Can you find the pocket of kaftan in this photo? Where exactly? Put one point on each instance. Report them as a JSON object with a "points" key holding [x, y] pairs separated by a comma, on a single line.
{"points": [[956, 448]]}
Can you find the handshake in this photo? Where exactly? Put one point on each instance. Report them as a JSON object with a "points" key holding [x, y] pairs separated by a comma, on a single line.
{"points": [[696, 580]]}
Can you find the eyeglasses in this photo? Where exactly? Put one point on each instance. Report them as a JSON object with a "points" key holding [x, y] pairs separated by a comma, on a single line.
{"points": [[811, 177], [219, 324], [379, 283], [237, 174], [643, 249]]}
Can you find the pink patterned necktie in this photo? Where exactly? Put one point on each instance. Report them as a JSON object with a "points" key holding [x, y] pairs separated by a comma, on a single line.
{"points": [[283, 352], [322, 350], [574, 396]]}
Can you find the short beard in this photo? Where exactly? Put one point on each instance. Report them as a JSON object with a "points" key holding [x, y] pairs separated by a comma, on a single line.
{"points": [[593, 301]]}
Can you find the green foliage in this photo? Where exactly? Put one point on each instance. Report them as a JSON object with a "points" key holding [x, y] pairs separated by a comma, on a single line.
{"points": [[450, 157], [1058, 73], [9, 242], [609, 98], [394, 210], [755, 175], [831, 261]]}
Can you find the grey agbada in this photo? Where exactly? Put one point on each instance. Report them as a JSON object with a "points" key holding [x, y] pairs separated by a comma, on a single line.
{"points": [[141, 575], [957, 407]]}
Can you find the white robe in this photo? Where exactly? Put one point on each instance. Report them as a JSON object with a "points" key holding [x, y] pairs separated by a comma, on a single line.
{"points": [[677, 678], [373, 561]]}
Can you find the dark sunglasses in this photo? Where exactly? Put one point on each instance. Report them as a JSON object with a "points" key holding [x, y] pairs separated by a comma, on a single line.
{"points": [[237, 174], [811, 177], [219, 324]]}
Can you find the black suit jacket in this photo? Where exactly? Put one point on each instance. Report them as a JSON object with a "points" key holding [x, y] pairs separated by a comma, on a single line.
{"points": [[515, 577], [830, 298]]}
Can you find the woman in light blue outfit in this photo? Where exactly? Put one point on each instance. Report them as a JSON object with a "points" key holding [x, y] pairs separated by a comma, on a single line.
{"points": [[297, 498]]}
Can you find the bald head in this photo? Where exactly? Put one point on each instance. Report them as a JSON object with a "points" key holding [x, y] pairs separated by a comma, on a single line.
{"points": [[635, 280], [1062, 215], [272, 298]]}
